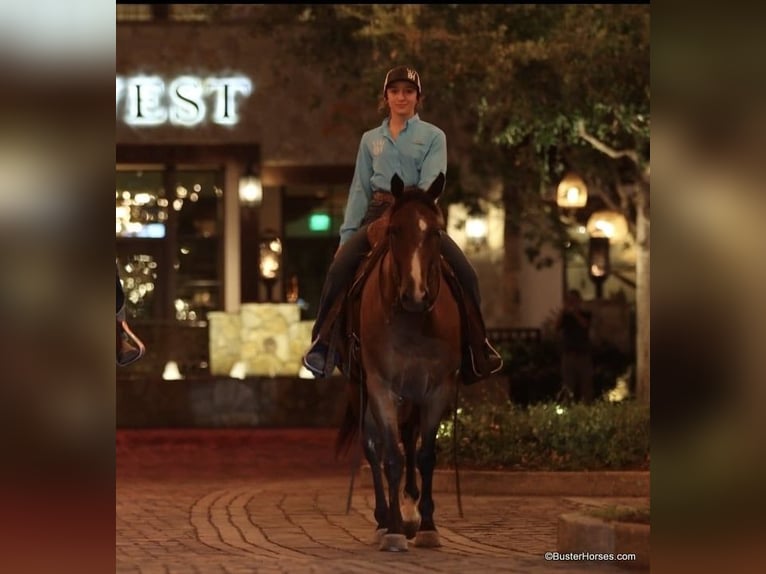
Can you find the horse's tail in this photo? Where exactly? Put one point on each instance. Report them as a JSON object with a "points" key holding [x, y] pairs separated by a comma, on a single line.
{"points": [[349, 426]]}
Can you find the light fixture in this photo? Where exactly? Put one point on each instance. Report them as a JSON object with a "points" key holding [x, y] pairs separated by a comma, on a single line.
{"points": [[238, 370], [270, 260], [607, 223], [572, 192], [172, 372], [250, 188], [476, 227]]}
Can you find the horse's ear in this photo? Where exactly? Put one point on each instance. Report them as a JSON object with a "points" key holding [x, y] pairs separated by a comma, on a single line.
{"points": [[437, 187], [397, 186]]}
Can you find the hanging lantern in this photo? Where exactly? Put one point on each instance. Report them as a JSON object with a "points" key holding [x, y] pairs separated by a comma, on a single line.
{"points": [[250, 188], [572, 193]]}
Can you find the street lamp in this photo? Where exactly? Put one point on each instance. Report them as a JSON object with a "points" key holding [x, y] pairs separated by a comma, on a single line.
{"points": [[603, 227]]}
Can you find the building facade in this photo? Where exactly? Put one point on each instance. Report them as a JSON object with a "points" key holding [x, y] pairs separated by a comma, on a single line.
{"points": [[199, 105]]}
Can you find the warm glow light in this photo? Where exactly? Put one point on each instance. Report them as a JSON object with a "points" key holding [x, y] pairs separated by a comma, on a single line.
{"points": [[572, 192], [238, 370], [610, 224], [172, 372], [142, 198], [476, 227], [250, 190], [597, 270], [269, 265]]}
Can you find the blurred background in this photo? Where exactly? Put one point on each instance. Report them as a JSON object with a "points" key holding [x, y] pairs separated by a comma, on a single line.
{"points": [[58, 156]]}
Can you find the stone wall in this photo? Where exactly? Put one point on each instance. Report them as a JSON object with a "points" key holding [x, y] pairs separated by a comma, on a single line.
{"points": [[267, 339]]}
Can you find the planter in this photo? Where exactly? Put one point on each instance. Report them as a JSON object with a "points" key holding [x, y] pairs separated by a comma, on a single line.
{"points": [[578, 532]]}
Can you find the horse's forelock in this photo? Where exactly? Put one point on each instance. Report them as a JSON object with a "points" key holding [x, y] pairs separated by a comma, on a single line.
{"points": [[415, 195]]}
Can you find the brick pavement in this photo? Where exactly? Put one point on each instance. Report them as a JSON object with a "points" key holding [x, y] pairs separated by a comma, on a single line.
{"points": [[273, 501]]}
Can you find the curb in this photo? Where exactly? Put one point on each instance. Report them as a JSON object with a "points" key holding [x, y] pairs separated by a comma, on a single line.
{"points": [[582, 533], [532, 483]]}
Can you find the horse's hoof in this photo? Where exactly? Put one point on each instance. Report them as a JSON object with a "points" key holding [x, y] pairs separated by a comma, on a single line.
{"points": [[427, 539], [410, 529], [378, 536], [394, 543], [410, 517]]}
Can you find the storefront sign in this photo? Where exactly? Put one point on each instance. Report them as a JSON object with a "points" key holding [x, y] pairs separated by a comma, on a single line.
{"points": [[184, 101]]}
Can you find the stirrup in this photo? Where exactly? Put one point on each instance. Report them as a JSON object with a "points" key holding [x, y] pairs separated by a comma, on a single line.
{"points": [[475, 370], [131, 348]]}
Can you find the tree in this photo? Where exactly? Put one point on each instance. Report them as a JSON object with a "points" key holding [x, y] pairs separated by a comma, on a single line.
{"points": [[526, 93]]}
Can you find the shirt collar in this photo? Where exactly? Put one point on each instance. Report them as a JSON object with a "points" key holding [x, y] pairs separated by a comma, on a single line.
{"points": [[386, 121]]}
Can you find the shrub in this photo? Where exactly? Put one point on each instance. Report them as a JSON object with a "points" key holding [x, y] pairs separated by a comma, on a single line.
{"points": [[534, 369], [548, 436]]}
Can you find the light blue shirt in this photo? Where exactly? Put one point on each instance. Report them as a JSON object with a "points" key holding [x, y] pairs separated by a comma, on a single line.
{"points": [[418, 155]]}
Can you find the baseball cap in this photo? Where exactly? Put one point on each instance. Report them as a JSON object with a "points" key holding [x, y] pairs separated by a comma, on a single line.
{"points": [[402, 73]]}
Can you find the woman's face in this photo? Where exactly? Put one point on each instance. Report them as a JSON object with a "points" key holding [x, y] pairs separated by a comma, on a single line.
{"points": [[402, 99]]}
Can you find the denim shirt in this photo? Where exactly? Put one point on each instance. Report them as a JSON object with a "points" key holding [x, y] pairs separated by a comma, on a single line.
{"points": [[418, 155]]}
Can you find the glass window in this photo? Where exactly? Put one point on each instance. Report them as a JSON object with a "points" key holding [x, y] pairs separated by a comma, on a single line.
{"points": [[169, 228], [199, 207]]}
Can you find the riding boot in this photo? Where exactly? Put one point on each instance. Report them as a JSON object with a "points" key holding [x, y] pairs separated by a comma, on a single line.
{"points": [[480, 359], [320, 359], [317, 359]]}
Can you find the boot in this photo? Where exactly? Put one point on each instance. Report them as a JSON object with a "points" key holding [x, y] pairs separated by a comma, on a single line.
{"points": [[316, 359], [480, 358]]}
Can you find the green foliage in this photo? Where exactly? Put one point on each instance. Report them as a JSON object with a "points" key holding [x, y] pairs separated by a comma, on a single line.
{"points": [[510, 84], [602, 436]]}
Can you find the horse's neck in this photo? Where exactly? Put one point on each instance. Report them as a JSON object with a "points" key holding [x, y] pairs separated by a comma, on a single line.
{"points": [[385, 281]]}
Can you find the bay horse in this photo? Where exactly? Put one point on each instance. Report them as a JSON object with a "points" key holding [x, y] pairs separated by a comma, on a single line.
{"points": [[409, 350]]}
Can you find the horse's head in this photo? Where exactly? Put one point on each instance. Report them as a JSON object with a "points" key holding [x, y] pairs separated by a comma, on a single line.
{"points": [[414, 233]]}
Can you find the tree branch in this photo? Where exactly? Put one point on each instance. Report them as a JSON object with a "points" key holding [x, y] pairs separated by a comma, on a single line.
{"points": [[605, 149]]}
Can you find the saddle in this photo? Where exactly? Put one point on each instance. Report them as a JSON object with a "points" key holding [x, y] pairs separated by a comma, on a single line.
{"points": [[343, 321], [343, 317]]}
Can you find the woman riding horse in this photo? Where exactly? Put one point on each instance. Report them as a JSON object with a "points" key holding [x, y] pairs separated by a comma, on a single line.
{"points": [[416, 150]]}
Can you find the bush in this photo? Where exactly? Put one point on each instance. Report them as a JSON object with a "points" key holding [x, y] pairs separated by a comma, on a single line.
{"points": [[547, 436], [534, 369]]}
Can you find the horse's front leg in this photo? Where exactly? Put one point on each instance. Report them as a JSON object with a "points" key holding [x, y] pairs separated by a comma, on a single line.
{"points": [[427, 536], [371, 450], [385, 414], [410, 514]]}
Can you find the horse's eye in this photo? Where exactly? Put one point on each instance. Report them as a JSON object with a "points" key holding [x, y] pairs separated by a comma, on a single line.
{"points": [[393, 231]]}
